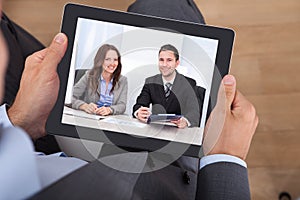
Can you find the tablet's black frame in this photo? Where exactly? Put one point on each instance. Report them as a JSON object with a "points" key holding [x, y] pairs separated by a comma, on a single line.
{"points": [[72, 12]]}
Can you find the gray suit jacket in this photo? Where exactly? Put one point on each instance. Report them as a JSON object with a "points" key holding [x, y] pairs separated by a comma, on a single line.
{"points": [[83, 94], [223, 180]]}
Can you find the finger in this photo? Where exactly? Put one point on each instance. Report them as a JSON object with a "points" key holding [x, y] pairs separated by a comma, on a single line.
{"points": [[175, 122], [143, 115], [38, 56], [143, 118], [145, 109], [34, 59], [103, 111], [97, 109], [230, 89], [98, 112], [94, 105], [88, 111], [55, 51], [239, 100], [180, 126], [91, 109]]}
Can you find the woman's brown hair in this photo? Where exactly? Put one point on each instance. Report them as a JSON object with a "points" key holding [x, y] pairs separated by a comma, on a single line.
{"points": [[96, 71]]}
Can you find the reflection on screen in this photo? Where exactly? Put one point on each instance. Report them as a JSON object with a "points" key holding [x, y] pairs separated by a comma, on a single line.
{"points": [[139, 55]]}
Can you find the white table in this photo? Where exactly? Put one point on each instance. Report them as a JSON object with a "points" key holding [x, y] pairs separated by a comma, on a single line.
{"points": [[129, 125]]}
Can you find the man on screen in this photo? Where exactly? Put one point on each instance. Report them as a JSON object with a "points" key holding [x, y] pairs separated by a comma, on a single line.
{"points": [[170, 92]]}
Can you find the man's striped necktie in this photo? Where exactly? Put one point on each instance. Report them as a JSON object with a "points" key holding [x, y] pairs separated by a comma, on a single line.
{"points": [[168, 89]]}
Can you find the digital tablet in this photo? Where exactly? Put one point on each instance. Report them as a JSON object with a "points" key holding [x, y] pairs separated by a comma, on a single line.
{"points": [[99, 36], [163, 118]]}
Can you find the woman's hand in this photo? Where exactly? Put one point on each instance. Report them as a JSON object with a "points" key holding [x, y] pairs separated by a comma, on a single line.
{"points": [[103, 111], [89, 108]]}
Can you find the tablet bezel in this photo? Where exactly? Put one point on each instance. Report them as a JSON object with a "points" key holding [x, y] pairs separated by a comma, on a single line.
{"points": [[72, 12]]}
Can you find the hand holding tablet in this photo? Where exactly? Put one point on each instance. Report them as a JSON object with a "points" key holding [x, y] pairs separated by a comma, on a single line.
{"points": [[163, 117], [204, 58]]}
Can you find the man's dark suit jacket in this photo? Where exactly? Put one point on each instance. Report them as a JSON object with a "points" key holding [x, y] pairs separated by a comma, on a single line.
{"points": [[218, 181], [183, 99], [185, 10]]}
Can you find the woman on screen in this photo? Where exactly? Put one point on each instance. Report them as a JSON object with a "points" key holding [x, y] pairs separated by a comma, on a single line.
{"points": [[102, 90]]}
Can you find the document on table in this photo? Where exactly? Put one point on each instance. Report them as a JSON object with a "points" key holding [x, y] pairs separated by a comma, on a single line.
{"points": [[80, 113], [124, 122]]}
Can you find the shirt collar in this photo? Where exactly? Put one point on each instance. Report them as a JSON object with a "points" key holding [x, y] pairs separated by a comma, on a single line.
{"points": [[102, 79], [171, 81]]}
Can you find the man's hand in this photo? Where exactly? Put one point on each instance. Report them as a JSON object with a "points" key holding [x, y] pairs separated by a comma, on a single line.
{"points": [[180, 123], [38, 88], [232, 123], [143, 114]]}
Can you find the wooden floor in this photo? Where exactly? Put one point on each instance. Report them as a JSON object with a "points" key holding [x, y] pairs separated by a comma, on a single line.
{"points": [[266, 63]]}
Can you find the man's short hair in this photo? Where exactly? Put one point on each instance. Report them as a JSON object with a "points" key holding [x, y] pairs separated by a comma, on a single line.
{"points": [[169, 47]]}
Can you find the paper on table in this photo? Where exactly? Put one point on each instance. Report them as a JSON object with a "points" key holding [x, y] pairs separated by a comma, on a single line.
{"points": [[124, 122], [80, 113]]}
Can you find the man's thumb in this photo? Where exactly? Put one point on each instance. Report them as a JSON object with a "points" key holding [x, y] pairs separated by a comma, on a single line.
{"points": [[56, 50], [230, 89]]}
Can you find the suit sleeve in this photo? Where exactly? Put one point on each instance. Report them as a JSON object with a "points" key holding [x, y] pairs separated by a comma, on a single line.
{"points": [[120, 106], [79, 90], [144, 99], [223, 180], [184, 10]]}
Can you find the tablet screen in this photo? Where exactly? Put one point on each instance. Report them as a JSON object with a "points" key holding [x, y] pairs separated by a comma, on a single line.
{"points": [[117, 63]]}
